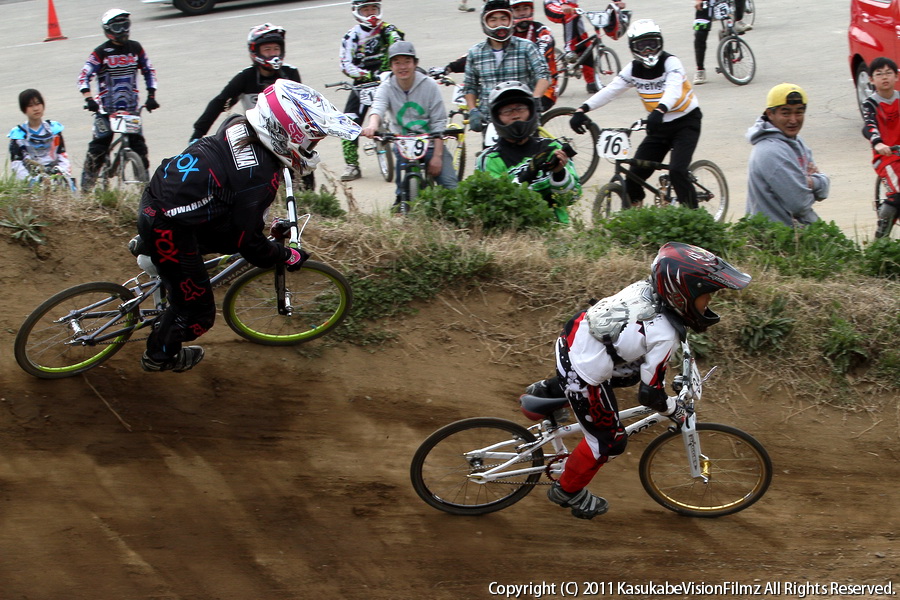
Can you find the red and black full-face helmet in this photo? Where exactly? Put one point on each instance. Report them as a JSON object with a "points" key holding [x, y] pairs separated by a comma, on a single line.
{"points": [[262, 35], [681, 273]]}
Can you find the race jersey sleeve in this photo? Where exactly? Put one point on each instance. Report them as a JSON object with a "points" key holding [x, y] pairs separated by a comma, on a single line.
{"points": [[146, 68], [613, 90], [226, 98], [90, 68], [870, 120]]}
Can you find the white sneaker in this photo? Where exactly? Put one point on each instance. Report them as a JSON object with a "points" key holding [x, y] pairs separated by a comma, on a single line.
{"points": [[741, 27], [700, 77], [350, 173]]}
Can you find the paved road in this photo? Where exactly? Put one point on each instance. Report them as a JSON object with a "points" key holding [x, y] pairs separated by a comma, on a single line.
{"points": [[802, 42]]}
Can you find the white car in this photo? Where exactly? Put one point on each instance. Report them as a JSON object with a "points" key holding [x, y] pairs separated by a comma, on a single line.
{"points": [[190, 7]]}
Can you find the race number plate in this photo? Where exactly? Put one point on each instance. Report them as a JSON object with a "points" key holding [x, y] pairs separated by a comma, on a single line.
{"points": [[721, 10], [125, 123], [458, 96], [367, 95], [412, 147], [613, 144]]}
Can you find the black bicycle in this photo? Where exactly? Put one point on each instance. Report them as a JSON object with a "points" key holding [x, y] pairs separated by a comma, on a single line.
{"points": [[735, 58], [615, 145], [590, 51]]}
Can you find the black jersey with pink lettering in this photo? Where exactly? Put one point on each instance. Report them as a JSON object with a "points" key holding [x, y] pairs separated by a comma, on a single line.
{"points": [[116, 70], [220, 187]]}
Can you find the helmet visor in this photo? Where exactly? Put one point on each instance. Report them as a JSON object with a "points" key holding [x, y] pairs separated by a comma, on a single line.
{"points": [[647, 46], [119, 26]]}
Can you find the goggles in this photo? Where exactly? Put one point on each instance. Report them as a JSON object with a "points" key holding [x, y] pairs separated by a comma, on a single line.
{"points": [[122, 26]]}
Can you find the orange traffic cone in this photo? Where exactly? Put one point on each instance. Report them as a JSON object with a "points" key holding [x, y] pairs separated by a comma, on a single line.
{"points": [[53, 30]]}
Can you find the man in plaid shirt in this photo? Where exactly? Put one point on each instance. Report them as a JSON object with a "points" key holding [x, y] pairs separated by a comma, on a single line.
{"points": [[501, 57]]}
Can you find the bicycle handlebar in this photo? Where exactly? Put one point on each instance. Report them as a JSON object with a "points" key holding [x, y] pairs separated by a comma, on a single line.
{"points": [[387, 136]]}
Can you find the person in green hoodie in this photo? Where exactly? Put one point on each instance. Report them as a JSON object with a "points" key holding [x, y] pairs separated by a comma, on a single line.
{"points": [[413, 103]]}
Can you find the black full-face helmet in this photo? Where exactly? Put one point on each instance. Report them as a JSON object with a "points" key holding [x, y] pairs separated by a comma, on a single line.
{"points": [[513, 92], [503, 32]]}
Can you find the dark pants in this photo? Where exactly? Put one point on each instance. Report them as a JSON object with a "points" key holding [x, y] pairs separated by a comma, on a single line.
{"points": [[680, 137], [191, 309]]}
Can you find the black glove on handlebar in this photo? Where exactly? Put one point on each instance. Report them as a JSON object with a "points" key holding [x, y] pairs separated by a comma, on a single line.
{"points": [[654, 121], [91, 105], [578, 121], [151, 104]]}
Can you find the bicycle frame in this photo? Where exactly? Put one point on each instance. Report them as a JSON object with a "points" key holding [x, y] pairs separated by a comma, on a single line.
{"points": [[548, 432], [231, 265]]}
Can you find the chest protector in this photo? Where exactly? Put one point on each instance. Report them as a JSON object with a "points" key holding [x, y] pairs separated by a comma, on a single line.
{"points": [[608, 317]]}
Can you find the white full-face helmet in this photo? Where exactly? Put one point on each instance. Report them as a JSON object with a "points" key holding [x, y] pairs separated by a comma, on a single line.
{"points": [[645, 41], [372, 21], [290, 119]]}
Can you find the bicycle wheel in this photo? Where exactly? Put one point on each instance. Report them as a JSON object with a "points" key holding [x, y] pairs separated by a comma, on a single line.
{"points": [[385, 160], [442, 465], [319, 295], [562, 72], [45, 345], [887, 214], [738, 468], [414, 185], [606, 65], [555, 124], [712, 189], [736, 60], [610, 199]]}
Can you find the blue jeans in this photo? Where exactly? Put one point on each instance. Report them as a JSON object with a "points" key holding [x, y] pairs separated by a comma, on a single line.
{"points": [[447, 177]]}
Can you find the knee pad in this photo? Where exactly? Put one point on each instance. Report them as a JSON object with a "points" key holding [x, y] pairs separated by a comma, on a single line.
{"points": [[893, 200]]}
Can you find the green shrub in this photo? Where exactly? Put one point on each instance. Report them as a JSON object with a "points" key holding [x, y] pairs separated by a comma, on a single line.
{"points": [[321, 203], [653, 226], [843, 346], [487, 202], [419, 273], [881, 258], [766, 328], [25, 225], [817, 251]]}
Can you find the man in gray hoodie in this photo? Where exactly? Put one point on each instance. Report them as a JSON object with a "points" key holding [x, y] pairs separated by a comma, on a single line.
{"points": [[414, 104], [783, 181]]}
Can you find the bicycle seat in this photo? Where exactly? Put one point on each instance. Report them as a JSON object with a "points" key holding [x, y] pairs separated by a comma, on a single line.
{"points": [[537, 408]]}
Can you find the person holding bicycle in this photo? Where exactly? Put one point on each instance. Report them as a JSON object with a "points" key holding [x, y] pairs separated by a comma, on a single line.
{"points": [[520, 155], [364, 58], [526, 28], [783, 181], [214, 196], [673, 119], [414, 102], [501, 57], [882, 129], [115, 63], [37, 146], [266, 44], [622, 340], [703, 19], [565, 12]]}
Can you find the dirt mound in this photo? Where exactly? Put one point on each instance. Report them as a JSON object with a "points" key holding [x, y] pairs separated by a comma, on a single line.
{"points": [[282, 473]]}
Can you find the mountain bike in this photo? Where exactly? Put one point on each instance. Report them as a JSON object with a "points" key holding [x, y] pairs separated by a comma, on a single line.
{"points": [[590, 51], [615, 145], [366, 93], [736, 61], [484, 464], [887, 215], [122, 166], [413, 173], [83, 326]]}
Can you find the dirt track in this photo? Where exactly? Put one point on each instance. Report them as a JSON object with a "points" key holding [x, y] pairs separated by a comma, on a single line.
{"points": [[275, 474]]}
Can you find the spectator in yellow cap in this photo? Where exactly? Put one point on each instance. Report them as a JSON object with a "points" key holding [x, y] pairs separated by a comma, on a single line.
{"points": [[783, 181]]}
